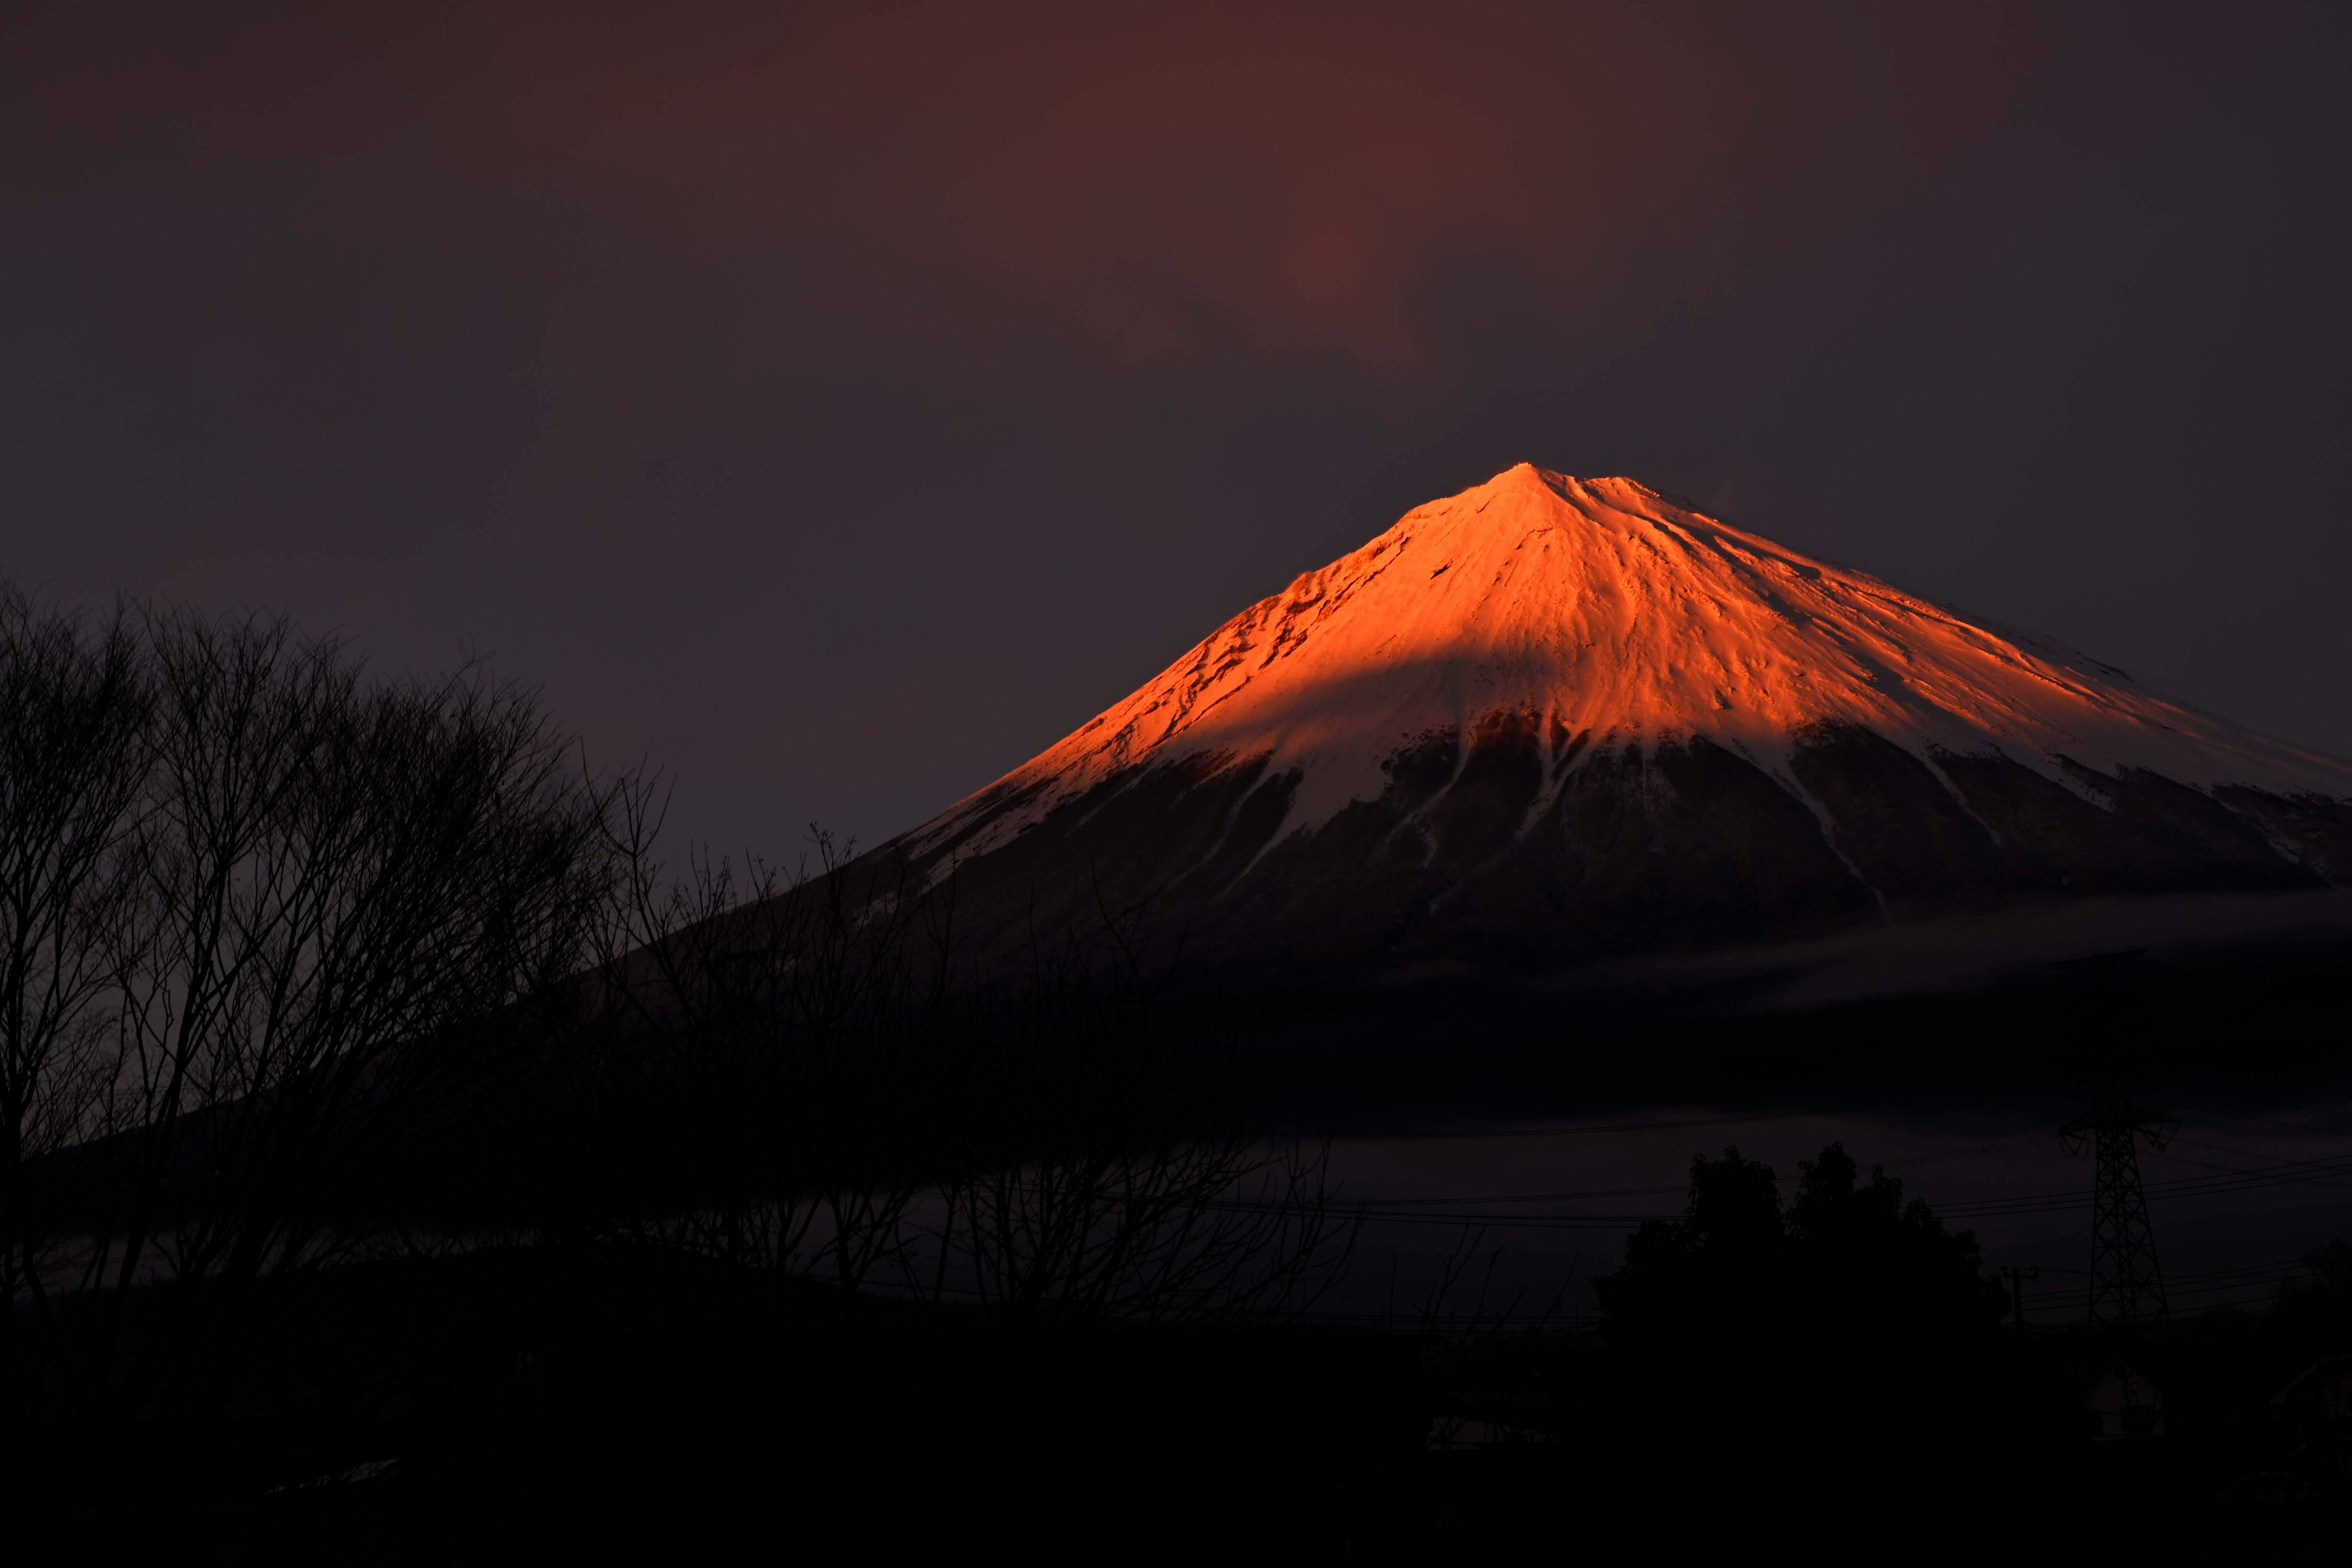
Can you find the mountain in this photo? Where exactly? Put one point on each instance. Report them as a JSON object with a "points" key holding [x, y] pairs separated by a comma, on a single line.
{"points": [[1550, 719]]}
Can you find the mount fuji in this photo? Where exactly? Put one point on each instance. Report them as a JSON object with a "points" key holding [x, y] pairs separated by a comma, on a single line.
{"points": [[1551, 721]]}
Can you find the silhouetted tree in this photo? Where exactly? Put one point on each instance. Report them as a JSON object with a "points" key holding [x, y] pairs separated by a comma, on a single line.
{"points": [[1859, 1242], [1102, 1169], [766, 1080], [260, 918], [1713, 1285], [1849, 1313], [745, 1089], [2312, 1314], [76, 710]]}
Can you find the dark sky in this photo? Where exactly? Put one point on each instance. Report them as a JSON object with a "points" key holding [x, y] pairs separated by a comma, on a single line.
{"points": [[838, 404]]}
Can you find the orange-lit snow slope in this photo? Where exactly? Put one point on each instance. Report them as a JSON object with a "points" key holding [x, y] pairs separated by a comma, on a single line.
{"points": [[1611, 616]]}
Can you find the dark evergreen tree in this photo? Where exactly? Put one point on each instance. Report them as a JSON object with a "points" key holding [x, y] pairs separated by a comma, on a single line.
{"points": [[1847, 1322]]}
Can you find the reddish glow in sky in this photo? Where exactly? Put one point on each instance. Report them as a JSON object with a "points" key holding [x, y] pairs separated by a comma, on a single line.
{"points": [[935, 373], [1163, 172]]}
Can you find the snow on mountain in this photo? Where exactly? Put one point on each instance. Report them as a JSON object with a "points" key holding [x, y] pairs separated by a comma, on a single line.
{"points": [[1518, 699]]}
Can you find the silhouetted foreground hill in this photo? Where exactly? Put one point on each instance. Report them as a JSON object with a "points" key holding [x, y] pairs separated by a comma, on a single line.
{"points": [[513, 1406]]}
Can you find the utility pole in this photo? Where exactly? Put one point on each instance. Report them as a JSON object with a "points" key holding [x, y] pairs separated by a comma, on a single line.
{"points": [[2017, 1278], [2126, 1285]]}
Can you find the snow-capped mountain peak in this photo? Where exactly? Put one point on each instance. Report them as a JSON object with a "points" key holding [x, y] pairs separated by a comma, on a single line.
{"points": [[1591, 619]]}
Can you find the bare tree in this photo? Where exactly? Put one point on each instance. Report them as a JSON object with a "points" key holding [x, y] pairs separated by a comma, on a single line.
{"points": [[302, 904], [75, 713], [1106, 1171], [751, 1070], [776, 1079]]}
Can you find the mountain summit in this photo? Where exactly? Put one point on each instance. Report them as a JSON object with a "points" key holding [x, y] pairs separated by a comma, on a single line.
{"points": [[1552, 718]]}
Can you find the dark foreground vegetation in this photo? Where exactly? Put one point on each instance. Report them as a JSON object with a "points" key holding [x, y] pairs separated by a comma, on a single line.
{"points": [[401, 1164]]}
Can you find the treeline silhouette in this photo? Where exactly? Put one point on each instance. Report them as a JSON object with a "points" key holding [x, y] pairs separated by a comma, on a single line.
{"points": [[1844, 1301], [1858, 1321], [1836, 1359], [402, 1158]]}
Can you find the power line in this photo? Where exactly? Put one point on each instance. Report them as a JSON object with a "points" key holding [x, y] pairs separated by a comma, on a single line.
{"points": [[1419, 1211], [1531, 1197], [2322, 1172], [1473, 1135]]}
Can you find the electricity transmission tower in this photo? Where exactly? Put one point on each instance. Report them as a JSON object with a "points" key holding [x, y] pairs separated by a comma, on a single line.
{"points": [[2126, 1285]]}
